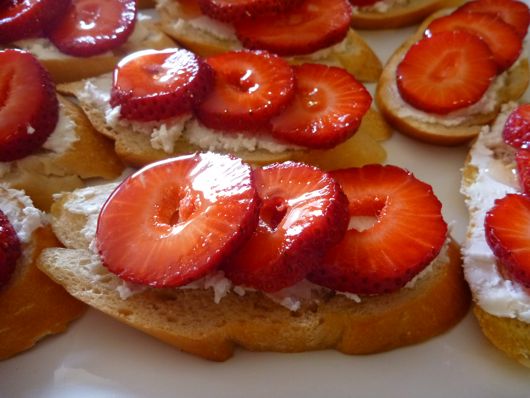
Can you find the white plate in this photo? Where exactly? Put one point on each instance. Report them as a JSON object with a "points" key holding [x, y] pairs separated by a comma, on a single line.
{"points": [[99, 357]]}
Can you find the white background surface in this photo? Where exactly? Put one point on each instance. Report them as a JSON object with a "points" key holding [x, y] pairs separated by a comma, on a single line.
{"points": [[99, 357]]}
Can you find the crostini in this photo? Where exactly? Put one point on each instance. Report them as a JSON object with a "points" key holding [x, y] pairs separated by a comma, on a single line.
{"points": [[33, 306], [47, 143], [240, 102], [79, 39], [246, 281], [315, 31], [452, 77]]}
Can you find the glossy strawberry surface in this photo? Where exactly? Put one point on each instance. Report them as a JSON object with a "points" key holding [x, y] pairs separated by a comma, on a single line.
{"points": [[445, 72], [327, 109], [250, 88], [93, 27], [506, 227], [303, 213], [28, 105], [396, 229], [29, 18], [174, 221], [306, 28], [156, 85]]}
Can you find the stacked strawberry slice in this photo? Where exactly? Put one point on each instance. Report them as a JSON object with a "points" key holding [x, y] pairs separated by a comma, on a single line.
{"points": [[81, 28], [28, 105], [175, 221], [461, 54], [251, 92], [10, 249], [285, 27], [506, 224]]}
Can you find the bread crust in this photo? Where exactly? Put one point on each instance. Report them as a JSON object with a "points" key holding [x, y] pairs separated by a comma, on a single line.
{"points": [[399, 16], [435, 133], [511, 336], [44, 173], [32, 305], [355, 56], [190, 320]]}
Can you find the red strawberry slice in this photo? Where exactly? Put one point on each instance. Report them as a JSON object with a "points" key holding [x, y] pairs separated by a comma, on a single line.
{"points": [[504, 42], [235, 10], [174, 221], [516, 130], [522, 160], [506, 226], [327, 109], [92, 27], [445, 72], [303, 213], [249, 89], [407, 234], [28, 105], [156, 85], [513, 12], [29, 18], [304, 29], [10, 249]]}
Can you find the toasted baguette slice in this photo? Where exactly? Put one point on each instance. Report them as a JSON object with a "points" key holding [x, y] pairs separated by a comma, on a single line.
{"points": [[190, 320], [32, 305], [398, 15], [509, 87], [501, 306], [353, 54], [49, 171], [64, 68], [135, 148]]}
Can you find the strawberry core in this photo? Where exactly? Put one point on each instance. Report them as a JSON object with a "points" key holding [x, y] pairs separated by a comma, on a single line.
{"points": [[313, 99], [447, 66], [273, 211], [175, 206], [364, 214], [243, 81]]}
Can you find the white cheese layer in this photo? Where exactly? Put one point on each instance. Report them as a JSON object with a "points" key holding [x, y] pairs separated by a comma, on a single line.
{"points": [[496, 177]]}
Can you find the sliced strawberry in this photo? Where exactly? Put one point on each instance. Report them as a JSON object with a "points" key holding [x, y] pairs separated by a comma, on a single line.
{"points": [[522, 160], [513, 12], [249, 89], [504, 42], [328, 107], [303, 213], [92, 27], [506, 227], [10, 249], [29, 18], [235, 10], [156, 85], [407, 234], [304, 29], [516, 130], [176, 220], [28, 104], [445, 72]]}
